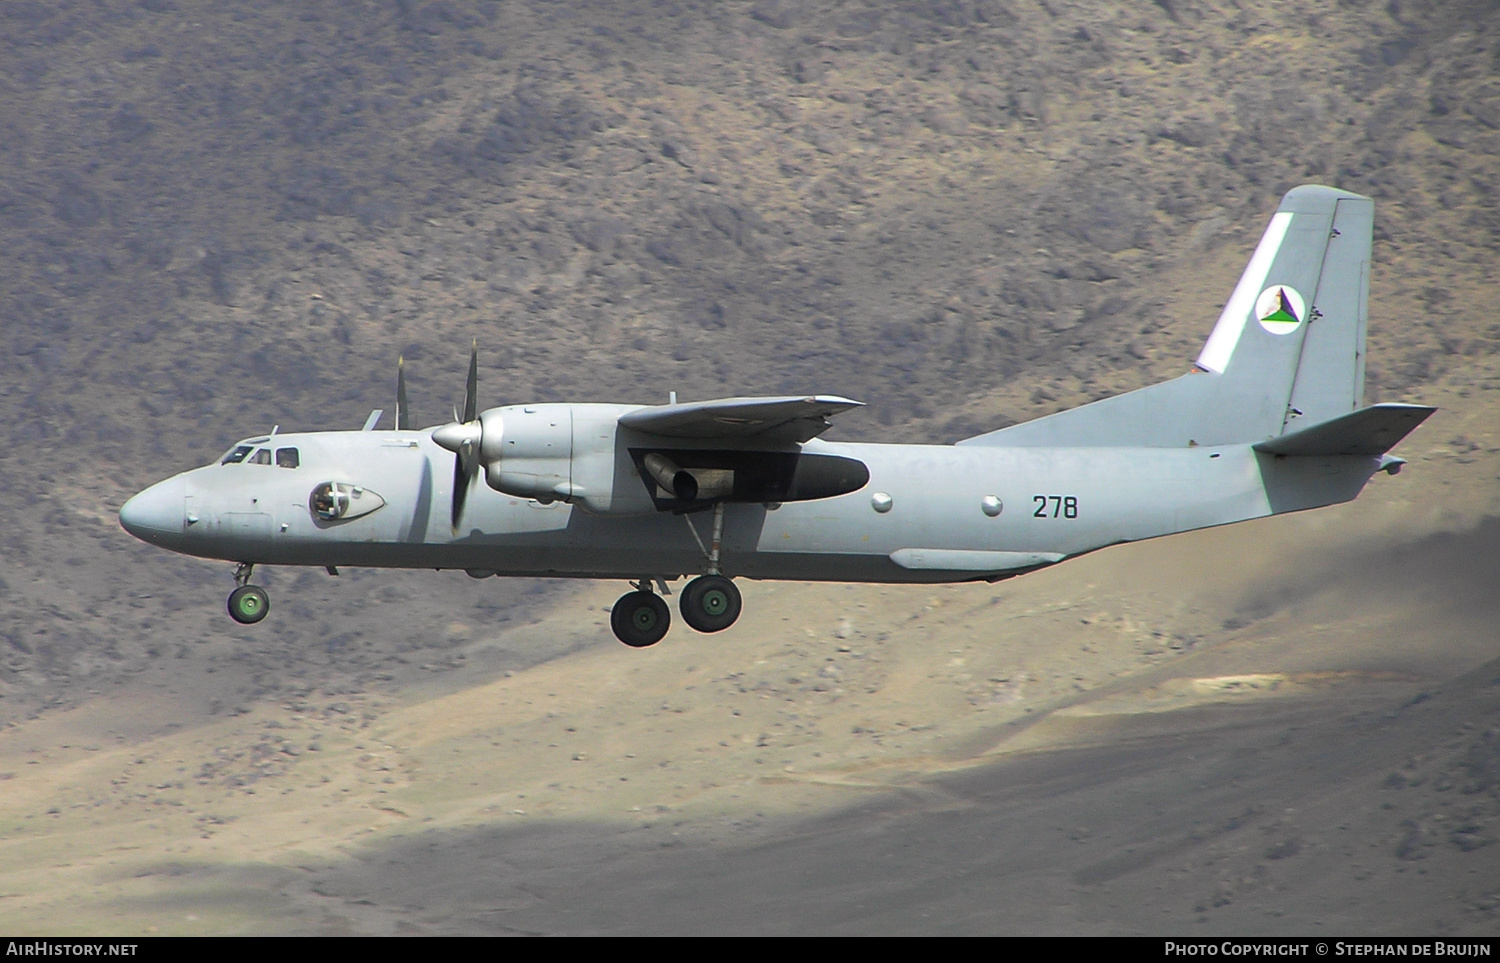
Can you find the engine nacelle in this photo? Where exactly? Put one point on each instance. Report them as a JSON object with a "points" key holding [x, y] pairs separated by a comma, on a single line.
{"points": [[527, 450], [581, 454]]}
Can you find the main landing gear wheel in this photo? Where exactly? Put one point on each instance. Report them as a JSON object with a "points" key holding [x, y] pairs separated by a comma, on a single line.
{"points": [[710, 603], [640, 619], [249, 604]]}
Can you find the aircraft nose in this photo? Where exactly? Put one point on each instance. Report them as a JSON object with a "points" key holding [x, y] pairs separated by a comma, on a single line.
{"points": [[156, 514]]}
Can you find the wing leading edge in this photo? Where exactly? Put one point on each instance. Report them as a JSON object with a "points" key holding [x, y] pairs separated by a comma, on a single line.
{"points": [[787, 419]]}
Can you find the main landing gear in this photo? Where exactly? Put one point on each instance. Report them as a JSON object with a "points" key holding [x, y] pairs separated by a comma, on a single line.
{"points": [[709, 603], [248, 604], [640, 618]]}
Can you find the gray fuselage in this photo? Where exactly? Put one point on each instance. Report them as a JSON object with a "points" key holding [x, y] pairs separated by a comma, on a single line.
{"points": [[1054, 503]]}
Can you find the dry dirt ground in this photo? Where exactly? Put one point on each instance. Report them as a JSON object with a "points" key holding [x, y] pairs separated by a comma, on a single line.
{"points": [[221, 217]]}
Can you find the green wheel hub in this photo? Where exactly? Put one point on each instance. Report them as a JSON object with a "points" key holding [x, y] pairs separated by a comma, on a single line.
{"points": [[249, 604], [643, 618], [715, 602]]}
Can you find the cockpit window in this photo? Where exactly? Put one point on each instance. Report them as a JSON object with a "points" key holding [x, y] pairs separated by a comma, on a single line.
{"points": [[236, 455], [262, 457], [287, 458]]}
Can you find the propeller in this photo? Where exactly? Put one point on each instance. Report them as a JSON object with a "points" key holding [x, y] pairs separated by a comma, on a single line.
{"points": [[462, 437], [403, 411]]}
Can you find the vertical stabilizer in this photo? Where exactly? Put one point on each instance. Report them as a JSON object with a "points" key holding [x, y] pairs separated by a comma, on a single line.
{"points": [[1287, 351], [1294, 328]]}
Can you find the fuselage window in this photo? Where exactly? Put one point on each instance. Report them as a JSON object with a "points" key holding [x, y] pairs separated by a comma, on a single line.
{"points": [[237, 455], [262, 457], [287, 458]]}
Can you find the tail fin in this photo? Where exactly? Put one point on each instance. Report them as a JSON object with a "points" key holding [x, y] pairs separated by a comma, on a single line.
{"points": [[1295, 324], [1288, 350]]}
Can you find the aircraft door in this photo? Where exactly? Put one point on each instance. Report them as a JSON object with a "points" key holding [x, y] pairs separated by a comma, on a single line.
{"points": [[250, 527]]}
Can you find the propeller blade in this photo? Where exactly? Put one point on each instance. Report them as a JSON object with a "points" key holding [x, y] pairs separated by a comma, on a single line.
{"points": [[463, 440], [403, 413], [471, 392], [460, 490], [462, 436]]}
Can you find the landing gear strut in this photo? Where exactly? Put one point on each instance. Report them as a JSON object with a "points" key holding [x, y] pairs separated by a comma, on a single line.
{"points": [[640, 618], [248, 604], [710, 603]]}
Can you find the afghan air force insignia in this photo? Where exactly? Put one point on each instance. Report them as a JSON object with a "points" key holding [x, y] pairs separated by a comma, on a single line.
{"points": [[1279, 309]]}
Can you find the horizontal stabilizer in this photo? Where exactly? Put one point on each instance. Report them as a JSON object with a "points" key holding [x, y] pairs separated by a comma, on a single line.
{"points": [[793, 419], [1369, 431]]}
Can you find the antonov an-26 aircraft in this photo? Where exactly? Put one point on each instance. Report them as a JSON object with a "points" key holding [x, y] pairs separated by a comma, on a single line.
{"points": [[1269, 421]]}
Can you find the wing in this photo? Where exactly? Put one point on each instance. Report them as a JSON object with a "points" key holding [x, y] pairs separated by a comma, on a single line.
{"points": [[767, 419]]}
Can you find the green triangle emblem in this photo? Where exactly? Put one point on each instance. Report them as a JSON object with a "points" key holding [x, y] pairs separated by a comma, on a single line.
{"points": [[1284, 310]]}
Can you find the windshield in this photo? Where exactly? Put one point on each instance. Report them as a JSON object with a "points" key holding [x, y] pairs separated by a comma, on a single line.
{"points": [[242, 449]]}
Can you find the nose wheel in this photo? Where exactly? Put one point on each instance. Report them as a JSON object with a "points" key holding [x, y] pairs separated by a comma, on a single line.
{"points": [[710, 603], [248, 604]]}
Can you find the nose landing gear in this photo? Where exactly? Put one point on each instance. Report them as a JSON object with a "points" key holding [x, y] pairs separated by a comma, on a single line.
{"points": [[248, 603]]}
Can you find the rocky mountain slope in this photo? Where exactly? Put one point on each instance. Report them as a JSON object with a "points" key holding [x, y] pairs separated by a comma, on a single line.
{"points": [[217, 218]]}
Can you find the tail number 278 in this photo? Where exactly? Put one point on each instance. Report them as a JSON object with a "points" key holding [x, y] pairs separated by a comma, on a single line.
{"points": [[1055, 506]]}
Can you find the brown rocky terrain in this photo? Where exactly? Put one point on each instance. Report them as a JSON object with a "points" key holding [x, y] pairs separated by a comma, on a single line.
{"points": [[223, 217]]}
